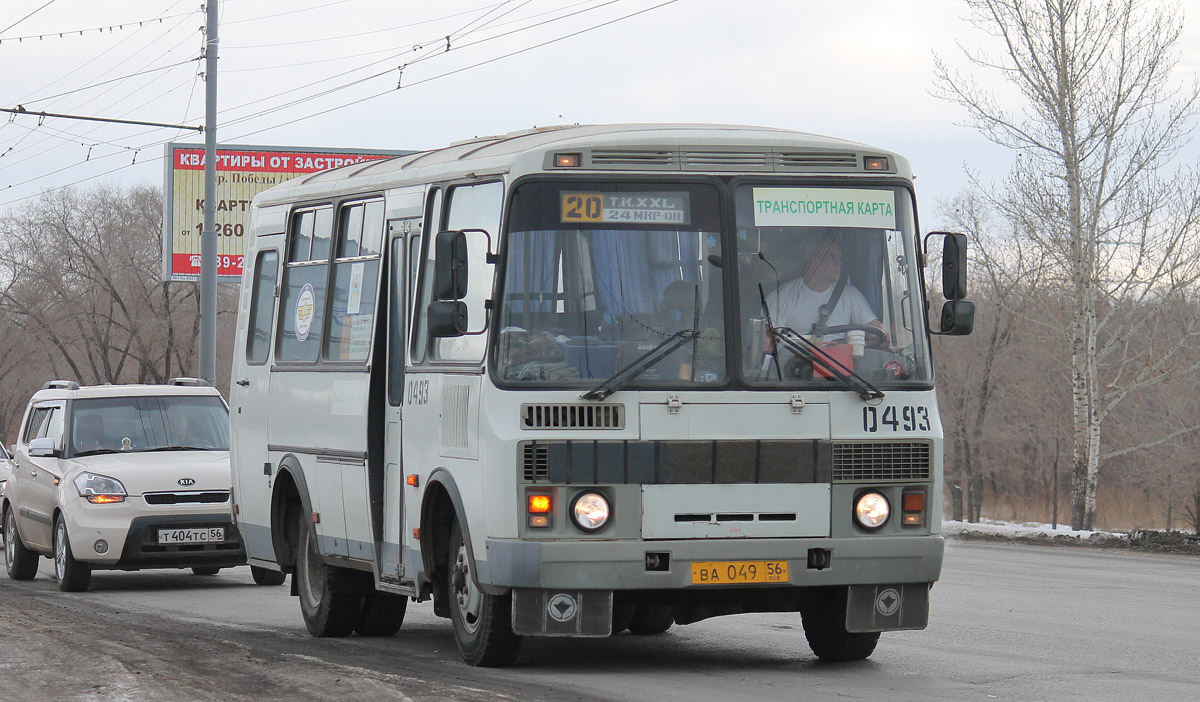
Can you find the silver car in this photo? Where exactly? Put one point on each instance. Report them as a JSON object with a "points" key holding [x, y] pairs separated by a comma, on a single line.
{"points": [[121, 477]]}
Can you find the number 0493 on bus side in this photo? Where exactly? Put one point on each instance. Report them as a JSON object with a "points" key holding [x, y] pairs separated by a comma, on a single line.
{"points": [[739, 572]]}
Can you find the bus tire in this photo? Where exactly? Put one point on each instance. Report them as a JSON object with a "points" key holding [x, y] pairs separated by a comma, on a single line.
{"points": [[482, 622], [651, 619], [382, 614], [21, 563], [266, 576], [622, 617], [72, 576], [825, 628], [328, 610]]}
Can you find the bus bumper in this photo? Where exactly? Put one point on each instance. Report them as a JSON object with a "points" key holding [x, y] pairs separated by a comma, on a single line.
{"points": [[572, 588], [666, 565]]}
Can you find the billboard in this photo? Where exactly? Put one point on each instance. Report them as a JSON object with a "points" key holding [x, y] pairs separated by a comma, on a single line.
{"points": [[242, 173]]}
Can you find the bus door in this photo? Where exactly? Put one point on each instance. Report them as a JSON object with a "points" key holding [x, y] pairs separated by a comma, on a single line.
{"points": [[404, 234], [248, 392]]}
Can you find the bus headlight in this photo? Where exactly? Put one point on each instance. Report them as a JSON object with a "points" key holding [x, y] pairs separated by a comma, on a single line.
{"points": [[590, 510], [871, 510]]}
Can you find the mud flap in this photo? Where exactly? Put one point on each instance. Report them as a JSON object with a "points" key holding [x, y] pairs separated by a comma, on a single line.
{"points": [[887, 607], [582, 613]]}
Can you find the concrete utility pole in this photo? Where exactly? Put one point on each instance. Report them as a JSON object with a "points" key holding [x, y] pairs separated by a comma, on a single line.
{"points": [[208, 237]]}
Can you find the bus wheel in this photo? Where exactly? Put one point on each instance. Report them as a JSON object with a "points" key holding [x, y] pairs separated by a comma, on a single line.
{"points": [[327, 611], [382, 614], [482, 622], [622, 617], [825, 629], [652, 619]]}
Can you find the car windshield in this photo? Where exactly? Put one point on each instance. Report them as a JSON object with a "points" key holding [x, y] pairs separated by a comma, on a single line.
{"points": [[598, 274], [156, 423]]}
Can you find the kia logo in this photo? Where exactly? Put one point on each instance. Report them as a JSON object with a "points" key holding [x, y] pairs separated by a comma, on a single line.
{"points": [[186, 482]]}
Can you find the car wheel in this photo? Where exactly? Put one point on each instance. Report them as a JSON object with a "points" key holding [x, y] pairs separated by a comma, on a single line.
{"points": [[482, 622], [825, 629], [329, 606], [72, 576], [266, 576], [21, 563], [652, 619], [382, 614], [206, 571]]}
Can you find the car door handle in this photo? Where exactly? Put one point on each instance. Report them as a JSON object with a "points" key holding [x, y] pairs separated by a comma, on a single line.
{"points": [[244, 382]]}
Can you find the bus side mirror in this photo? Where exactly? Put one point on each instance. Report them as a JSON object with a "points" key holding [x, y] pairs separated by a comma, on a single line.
{"points": [[450, 266], [958, 317], [954, 265], [446, 318]]}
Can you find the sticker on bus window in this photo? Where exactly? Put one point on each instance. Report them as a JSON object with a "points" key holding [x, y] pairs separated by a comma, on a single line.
{"points": [[824, 207], [629, 208], [305, 304]]}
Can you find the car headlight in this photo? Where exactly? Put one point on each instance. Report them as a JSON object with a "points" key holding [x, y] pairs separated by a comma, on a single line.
{"points": [[871, 510], [100, 489], [590, 510]]}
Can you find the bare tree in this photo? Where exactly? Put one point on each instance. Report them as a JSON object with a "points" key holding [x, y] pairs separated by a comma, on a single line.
{"points": [[1097, 120], [82, 284]]}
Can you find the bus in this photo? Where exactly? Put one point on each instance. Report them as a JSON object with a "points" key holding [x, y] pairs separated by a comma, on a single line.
{"points": [[583, 380]]}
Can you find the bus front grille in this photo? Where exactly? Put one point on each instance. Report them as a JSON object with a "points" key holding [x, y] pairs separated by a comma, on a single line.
{"points": [[882, 461], [580, 416]]}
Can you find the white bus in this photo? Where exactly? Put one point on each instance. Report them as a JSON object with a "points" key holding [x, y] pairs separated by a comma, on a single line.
{"points": [[582, 380]]}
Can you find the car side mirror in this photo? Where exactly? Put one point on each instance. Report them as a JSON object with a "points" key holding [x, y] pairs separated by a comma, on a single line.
{"points": [[450, 265], [446, 319], [42, 447]]}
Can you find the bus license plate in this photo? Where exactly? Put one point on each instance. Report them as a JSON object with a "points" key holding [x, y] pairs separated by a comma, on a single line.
{"points": [[739, 572], [207, 535]]}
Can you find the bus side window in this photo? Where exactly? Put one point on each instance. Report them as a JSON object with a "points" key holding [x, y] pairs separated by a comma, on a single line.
{"points": [[258, 337], [355, 282], [473, 207], [398, 317], [302, 307], [433, 217]]}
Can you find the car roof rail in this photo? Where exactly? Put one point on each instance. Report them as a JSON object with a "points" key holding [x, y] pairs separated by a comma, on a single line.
{"points": [[61, 385], [197, 382]]}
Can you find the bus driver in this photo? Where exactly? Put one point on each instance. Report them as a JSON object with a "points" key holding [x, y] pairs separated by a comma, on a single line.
{"points": [[819, 297]]}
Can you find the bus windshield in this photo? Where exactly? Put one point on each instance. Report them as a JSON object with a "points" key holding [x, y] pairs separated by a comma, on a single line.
{"points": [[600, 274], [837, 267]]}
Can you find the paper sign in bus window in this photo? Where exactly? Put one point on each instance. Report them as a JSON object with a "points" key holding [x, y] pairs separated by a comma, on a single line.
{"points": [[824, 207]]}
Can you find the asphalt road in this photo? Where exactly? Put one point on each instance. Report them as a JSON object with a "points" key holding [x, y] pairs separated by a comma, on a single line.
{"points": [[1007, 623]]}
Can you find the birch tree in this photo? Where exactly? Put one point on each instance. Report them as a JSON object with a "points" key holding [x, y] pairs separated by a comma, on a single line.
{"points": [[1096, 122]]}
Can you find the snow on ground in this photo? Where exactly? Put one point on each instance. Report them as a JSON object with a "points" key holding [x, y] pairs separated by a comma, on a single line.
{"points": [[1023, 530]]}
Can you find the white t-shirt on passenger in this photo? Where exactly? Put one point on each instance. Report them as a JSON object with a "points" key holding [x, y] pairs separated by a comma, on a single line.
{"points": [[798, 306]]}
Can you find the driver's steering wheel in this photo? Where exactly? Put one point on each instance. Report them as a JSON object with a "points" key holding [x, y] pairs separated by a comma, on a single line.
{"points": [[878, 340]]}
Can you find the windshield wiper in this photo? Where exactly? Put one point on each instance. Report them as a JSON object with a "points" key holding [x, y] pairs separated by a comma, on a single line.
{"points": [[641, 364], [812, 353], [179, 448], [809, 351], [94, 452]]}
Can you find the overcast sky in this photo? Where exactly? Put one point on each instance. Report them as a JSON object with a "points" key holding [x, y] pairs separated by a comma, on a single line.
{"points": [[290, 71]]}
